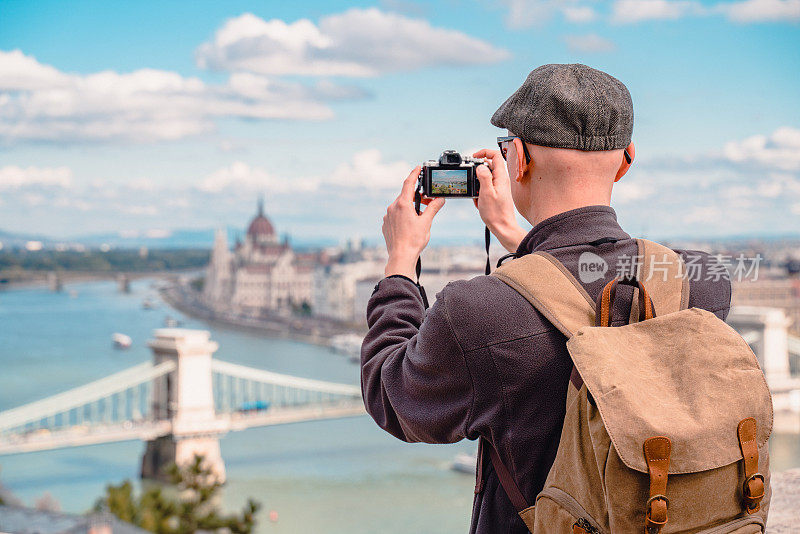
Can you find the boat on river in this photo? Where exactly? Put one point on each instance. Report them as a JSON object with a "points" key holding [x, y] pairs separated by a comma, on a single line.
{"points": [[465, 463], [347, 344], [121, 341]]}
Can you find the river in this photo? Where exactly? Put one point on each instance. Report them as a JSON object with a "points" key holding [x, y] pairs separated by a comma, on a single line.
{"points": [[341, 476]]}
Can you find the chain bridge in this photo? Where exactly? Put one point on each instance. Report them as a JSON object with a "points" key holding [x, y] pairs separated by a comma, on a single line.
{"points": [[180, 403]]}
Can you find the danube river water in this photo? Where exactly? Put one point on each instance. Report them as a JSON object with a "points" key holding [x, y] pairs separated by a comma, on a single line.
{"points": [[342, 476]]}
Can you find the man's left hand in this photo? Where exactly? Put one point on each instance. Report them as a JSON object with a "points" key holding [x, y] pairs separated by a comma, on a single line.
{"points": [[405, 232]]}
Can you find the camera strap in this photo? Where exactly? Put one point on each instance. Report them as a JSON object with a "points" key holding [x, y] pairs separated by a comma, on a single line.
{"points": [[487, 238], [417, 202]]}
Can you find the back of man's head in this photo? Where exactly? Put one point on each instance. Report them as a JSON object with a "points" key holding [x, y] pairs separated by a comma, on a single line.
{"points": [[576, 122]]}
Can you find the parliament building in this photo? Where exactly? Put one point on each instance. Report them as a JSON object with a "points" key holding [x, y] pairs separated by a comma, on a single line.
{"points": [[261, 275]]}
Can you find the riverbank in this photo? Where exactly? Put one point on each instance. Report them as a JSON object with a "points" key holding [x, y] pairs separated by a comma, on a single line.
{"points": [[308, 329]]}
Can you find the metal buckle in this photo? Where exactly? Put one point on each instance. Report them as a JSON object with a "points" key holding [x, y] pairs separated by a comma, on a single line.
{"points": [[745, 488], [655, 497], [656, 526]]}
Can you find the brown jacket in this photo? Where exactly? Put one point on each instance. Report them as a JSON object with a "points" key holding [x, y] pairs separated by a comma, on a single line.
{"points": [[482, 362]]}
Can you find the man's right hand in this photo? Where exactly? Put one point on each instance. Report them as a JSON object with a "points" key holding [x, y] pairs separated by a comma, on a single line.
{"points": [[494, 201]]}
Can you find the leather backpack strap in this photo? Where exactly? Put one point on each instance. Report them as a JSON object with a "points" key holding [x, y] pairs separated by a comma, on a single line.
{"points": [[551, 289], [753, 489], [657, 451], [505, 478], [663, 272]]}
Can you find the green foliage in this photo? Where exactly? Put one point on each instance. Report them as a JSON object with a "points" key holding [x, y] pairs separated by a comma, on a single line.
{"points": [[17, 260], [198, 283], [193, 508], [303, 310]]}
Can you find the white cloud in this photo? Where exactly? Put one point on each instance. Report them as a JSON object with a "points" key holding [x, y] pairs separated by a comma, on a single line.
{"points": [[592, 43], [524, 13], [762, 10], [709, 195], [627, 191], [749, 186], [779, 150], [21, 72], [37, 102], [72, 203], [630, 11], [341, 198], [357, 42], [744, 11], [135, 209], [142, 184], [34, 199], [367, 169], [243, 177], [704, 216], [13, 177], [579, 14]]}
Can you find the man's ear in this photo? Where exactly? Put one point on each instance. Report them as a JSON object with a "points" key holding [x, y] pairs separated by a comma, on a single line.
{"points": [[523, 167], [626, 162]]}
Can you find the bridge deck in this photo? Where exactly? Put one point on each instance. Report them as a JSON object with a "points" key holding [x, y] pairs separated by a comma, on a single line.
{"points": [[77, 436]]}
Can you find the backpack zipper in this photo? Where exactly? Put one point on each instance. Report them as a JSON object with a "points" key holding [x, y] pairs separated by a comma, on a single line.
{"points": [[568, 503], [586, 526]]}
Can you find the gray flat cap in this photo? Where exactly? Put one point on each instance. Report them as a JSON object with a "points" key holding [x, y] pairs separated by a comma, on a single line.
{"points": [[569, 106]]}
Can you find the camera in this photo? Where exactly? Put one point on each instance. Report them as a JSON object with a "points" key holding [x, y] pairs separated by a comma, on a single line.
{"points": [[453, 175]]}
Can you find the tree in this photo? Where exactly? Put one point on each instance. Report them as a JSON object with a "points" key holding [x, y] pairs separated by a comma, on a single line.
{"points": [[193, 507]]}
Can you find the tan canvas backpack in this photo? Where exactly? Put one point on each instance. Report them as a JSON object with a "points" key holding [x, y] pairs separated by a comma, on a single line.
{"points": [[667, 417]]}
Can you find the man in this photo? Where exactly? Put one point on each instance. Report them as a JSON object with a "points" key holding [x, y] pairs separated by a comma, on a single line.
{"points": [[482, 362]]}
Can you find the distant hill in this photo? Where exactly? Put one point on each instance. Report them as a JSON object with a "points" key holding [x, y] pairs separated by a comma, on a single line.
{"points": [[154, 239], [17, 240], [151, 239]]}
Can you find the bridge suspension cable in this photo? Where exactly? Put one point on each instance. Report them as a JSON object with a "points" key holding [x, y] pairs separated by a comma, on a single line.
{"points": [[269, 377], [91, 394]]}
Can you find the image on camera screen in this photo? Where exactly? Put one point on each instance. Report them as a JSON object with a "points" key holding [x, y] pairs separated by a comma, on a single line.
{"points": [[449, 182]]}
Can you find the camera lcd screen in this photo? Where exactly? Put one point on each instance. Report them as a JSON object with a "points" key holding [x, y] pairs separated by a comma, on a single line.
{"points": [[449, 181]]}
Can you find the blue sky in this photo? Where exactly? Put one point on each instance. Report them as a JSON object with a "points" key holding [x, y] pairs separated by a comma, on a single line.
{"points": [[150, 116]]}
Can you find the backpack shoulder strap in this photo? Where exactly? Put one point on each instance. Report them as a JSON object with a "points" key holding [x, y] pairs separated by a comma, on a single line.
{"points": [[551, 289], [663, 273]]}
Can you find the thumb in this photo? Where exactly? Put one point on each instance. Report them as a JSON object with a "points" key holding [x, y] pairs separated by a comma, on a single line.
{"points": [[433, 208], [484, 177]]}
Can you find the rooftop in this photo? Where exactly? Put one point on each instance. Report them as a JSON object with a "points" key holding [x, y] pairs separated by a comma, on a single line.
{"points": [[21, 520]]}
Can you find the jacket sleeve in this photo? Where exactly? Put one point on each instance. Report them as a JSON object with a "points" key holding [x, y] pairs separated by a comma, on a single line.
{"points": [[414, 378]]}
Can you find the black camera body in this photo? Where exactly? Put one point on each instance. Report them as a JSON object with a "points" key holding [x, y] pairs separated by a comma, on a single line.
{"points": [[453, 175]]}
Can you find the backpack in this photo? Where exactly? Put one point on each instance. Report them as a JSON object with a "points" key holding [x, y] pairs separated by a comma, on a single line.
{"points": [[667, 417]]}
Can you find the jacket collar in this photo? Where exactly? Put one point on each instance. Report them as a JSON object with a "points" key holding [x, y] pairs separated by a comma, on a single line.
{"points": [[580, 226]]}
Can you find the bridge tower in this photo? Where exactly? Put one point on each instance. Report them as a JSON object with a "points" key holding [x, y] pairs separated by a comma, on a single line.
{"points": [[770, 329], [54, 282], [187, 401], [123, 283]]}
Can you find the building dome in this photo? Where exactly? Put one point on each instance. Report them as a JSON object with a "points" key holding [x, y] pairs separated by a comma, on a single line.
{"points": [[260, 225]]}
